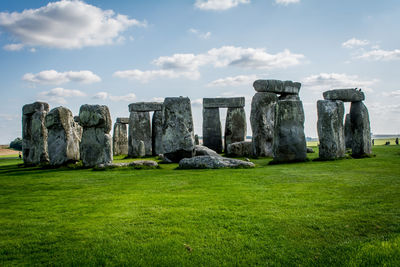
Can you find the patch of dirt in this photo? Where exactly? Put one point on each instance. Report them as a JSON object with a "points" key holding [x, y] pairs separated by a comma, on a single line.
{"points": [[6, 151]]}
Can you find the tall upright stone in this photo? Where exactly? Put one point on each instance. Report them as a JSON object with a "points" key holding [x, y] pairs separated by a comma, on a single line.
{"points": [[64, 136], [212, 133], [157, 128], [235, 126], [262, 120], [96, 143], [360, 129], [289, 139], [330, 129], [139, 130], [178, 132], [120, 137], [34, 133], [347, 131]]}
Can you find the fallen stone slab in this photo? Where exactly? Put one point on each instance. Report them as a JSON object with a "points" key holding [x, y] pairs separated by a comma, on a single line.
{"points": [[345, 95], [224, 102], [205, 151], [240, 149], [123, 120], [137, 163], [212, 162], [277, 86], [145, 106]]}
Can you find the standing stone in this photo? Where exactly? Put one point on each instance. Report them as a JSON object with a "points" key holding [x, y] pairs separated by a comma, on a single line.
{"points": [[240, 149], [347, 132], [96, 143], [139, 130], [63, 136], [289, 138], [212, 134], [235, 126], [262, 123], [157, 133], [330, 129], [360, 129], [120, 137], [196, 140], [34, 133], [178, 135]]}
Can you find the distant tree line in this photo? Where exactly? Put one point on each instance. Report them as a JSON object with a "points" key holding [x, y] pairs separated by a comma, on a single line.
{"points": [[16, 144]]}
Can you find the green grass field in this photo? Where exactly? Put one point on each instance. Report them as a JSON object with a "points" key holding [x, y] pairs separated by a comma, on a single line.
{"points": [[342, 213]]}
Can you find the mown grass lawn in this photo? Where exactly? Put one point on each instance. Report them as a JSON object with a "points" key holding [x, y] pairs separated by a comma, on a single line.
{"points": [[344, 212]]}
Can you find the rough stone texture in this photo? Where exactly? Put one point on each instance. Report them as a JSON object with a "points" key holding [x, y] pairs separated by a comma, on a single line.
{"points": [[330, 129], [96, 147], [123, 120], [76, 119], [277, 86], [145, 106], [347, 131], [139, 130], [96, 143], [235, 126], [120, 139], [64, 136], [212, 133], [289, 139], [360, 129], [205, 151], [240, 149], [34, 133], [289, 97], [196, 140], [345, 95], [157, 126], [138, 163], [262, 123], [310, 150], [211, 162], [224, 102], [95, 116], [178, 135]]}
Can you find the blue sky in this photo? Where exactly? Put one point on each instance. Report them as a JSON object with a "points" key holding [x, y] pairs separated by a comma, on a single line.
{"points": [[71, 53]]}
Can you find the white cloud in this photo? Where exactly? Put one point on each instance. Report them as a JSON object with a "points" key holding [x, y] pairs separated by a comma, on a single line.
{"points": [[286, 2], [218, 4], [59, 94], [199, 34], [66, 24], [381, 55], [9, 117], [13, 47], [197, 102], [327, 81], [187, 65], [393, 93], [105, 96], [234, 81], [55, 77], [353, 42]]}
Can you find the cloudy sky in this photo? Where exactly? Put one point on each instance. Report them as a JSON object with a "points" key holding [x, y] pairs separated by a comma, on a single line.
{"points": [[71, 53]]}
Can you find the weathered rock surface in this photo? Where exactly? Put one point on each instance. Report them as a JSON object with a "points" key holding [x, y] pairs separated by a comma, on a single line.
{"points": [[157, 128], [289, 139], [34, 133], [235, 126], [277, 86], [347, 132], [96, 147], [205, 151], [96, 143], [139, 130], [178, 135], [240, 149], [310, 150], [138, 163], [224, 102], [360, 129], [64, 136], [76, 119], [211, 162], [145, 106], [212, 133], [345, 95], [95, 116], [123, 120], [330, 129], [262, 123], [120, 139], [196, 140]]}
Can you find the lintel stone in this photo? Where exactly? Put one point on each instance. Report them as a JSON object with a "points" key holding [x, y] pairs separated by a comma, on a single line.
{"points": [[123, 120], [277, 86], [224, 102], [345, 95], [37, 106], [145, 106]]}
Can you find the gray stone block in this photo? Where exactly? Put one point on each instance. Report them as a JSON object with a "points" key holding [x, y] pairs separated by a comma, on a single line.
{"points": [[120, 139], [240, 149], [347, 132], [123, 120], [35, 107], [96, 147], [97, 116], [212, 162], [345, 95], [139, 130], [277, 86], [224, 102], [212, 133], [360, 129], [145, 106], [235, 126], [157, 128]]}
